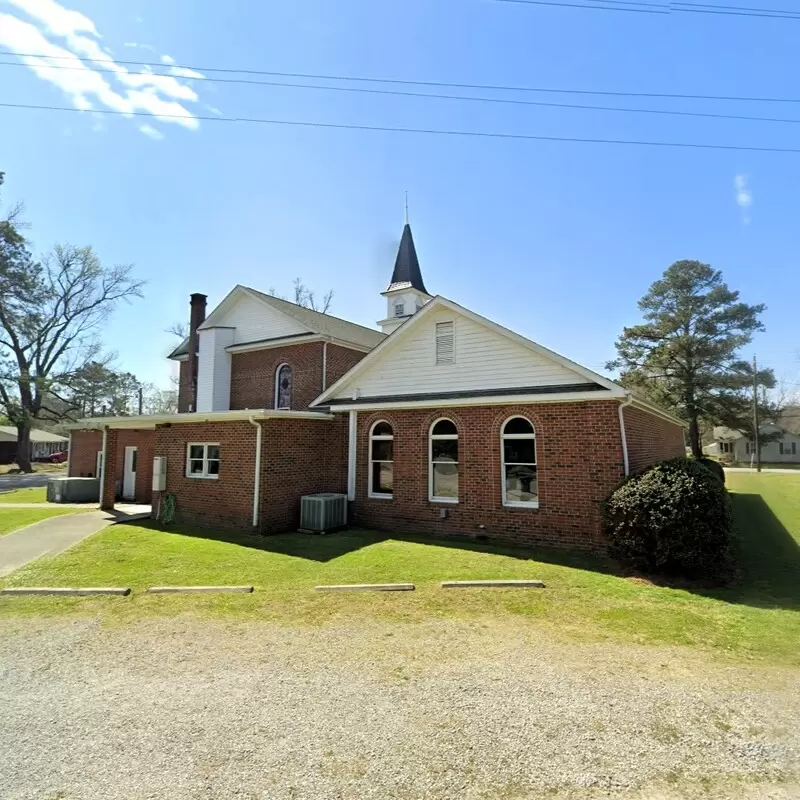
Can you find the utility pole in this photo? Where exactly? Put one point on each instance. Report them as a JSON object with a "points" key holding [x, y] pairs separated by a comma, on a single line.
{"points": [[141, 401], [756, 443]]}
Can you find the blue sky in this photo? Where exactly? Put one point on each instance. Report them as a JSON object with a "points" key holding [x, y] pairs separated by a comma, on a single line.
{"points": [[555, 240]]}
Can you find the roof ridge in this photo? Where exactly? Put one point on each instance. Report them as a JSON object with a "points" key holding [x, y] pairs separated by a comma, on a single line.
{"points": [[305, 309]]}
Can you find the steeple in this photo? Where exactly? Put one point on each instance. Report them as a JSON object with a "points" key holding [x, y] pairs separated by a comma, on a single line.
{"points": [[406, 266], [406, 293]]}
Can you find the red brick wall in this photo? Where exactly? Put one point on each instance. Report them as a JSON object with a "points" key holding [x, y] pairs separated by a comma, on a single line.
{"points": [[253, 373], [83, 449], [651, 439], [298, 457], [184, 387], [579, 457], [116, 442], [226, 501]]}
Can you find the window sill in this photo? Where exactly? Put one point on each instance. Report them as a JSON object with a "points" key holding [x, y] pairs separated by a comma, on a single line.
{"points": [[204, 477], [447, 500], [521, 505], [380, 497]]}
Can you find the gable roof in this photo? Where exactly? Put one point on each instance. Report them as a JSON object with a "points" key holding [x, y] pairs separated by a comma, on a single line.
{"points": [[8, 433], [439, 302], [314, 321], [406, 267]]}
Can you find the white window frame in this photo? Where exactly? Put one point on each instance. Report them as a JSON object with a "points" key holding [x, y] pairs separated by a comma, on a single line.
{"points": [[431, 497], [205, 475], [503, 436], [726, 448], [436, 343], [278, 387], [379, 438]]}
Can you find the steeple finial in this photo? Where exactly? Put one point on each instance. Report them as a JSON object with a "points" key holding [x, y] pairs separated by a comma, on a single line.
{"points": [[406, 206]]}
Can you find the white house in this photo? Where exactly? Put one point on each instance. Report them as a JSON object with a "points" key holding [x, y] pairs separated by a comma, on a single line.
{"points": [[734, 446]]}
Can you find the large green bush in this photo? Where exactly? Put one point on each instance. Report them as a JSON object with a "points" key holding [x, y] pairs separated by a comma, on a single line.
{"points": [[714, 466], [675, 518]]}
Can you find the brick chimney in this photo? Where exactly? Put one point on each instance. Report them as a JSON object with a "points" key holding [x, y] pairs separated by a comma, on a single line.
{"points": [[197, 316]]}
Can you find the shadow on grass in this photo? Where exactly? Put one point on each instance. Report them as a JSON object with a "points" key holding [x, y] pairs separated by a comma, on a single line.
{"points": [[768, 556], [331, 546]]}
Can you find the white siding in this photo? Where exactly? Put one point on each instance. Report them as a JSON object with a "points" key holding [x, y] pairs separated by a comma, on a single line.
{"points": [[484, 359], [254, 321], [214, 370]]}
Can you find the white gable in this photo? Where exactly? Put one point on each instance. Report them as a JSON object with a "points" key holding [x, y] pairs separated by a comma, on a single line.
{"points": [[484, 359], [253, 319]]}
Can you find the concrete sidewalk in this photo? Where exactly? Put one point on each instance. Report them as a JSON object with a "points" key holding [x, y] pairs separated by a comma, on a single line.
{"points": [[49, 538], [764, 469]]}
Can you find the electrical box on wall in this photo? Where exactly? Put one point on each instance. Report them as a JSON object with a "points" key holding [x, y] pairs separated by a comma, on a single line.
{"points": [[159, 474]]}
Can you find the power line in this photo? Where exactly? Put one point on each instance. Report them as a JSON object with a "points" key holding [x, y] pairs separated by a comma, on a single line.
{"points": [[402, 82], [430, 131], [663, 8], [399, 93]]}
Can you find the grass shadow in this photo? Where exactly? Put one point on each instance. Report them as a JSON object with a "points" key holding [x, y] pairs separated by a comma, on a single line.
{"points": [[324, 548], [768, 558]]}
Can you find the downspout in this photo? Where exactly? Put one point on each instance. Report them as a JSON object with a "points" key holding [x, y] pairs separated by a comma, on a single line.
{"points": [[257, 476], [324, 365], [351, 456], [102, 474], [625, 459], [69, 454]]}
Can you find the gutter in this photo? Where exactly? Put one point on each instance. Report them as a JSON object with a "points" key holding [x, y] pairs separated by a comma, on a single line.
{"points": [[324, 365], [102, 475], [625, 458], [257, 475]]}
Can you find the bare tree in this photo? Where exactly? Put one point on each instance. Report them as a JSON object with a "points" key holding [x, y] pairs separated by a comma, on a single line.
{"points": [[305, 297], [51, 318]]}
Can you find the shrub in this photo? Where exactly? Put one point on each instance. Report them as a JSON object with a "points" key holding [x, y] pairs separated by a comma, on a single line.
{"points": [[714, 466], [675, 519]]}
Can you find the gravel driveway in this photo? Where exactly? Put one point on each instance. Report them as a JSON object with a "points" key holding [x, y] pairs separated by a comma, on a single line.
{"points": [[185, 709]]}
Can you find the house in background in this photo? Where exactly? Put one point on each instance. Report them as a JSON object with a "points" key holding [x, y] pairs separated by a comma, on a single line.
{"points": [[733, 446], [43, 444], [443, 422]]}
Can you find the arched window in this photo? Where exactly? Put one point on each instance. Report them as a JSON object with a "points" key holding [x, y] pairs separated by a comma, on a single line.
{"points": [[283, 387], [381, 460], [443, 462], [520, 481]]}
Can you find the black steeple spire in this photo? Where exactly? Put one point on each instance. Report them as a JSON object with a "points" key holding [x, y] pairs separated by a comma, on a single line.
{"points": [[406, 266]]}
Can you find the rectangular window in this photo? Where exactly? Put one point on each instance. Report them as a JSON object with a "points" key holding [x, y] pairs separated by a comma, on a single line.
{"points": [[749, 448], [202, 460], [794, 448], [725, 447], [444, 470], [381, 478], [780, 449], [399, 309], [445, 343]]}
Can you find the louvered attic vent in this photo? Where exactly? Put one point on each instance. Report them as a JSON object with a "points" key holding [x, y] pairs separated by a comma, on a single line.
{"points": [[445, 343]]}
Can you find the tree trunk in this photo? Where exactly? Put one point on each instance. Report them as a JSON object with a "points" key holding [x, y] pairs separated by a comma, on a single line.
{"points": [[694, 438], [24, 446]]}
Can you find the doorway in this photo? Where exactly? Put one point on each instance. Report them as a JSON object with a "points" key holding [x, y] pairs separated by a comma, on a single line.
{"points": [[129, 474]]}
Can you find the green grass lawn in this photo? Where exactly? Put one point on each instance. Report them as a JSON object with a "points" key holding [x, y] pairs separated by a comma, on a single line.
{"points": [[757, 618], [29, 495], [11, 519]]}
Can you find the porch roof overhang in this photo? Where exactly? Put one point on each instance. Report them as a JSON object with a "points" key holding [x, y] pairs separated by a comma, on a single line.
{"points": [[150, 421]]}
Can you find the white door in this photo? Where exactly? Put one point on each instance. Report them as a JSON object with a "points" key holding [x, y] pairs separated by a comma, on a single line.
{"points": [[129, 476]]}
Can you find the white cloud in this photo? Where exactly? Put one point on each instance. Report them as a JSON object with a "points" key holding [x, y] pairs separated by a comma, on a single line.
{"points": [[744, 197], [140, 46], [168, 59], [87, 86], [185, 72], [149, 130]]}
